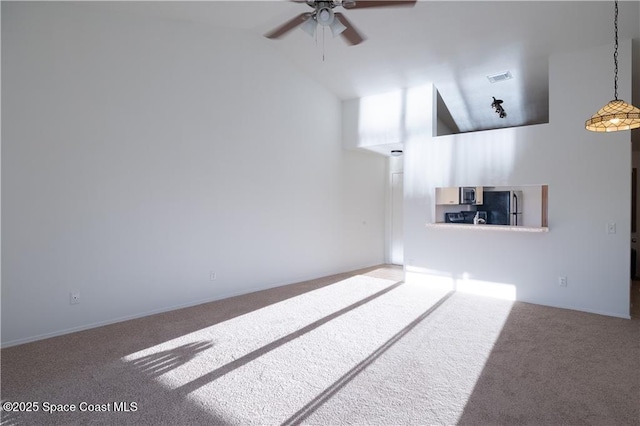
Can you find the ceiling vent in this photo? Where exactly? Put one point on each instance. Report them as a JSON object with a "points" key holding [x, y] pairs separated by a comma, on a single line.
{"points": [[496, 78]]}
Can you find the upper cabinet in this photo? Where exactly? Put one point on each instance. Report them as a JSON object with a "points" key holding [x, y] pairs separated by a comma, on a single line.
{"points": [[450, 195]]}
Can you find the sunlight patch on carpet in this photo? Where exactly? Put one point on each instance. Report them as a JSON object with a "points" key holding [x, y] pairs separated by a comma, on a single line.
{"points": [[213, 347], [273, 387], [310, 357], [429, 375]]}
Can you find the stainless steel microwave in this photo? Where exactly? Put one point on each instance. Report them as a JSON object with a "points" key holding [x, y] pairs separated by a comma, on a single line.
{"points": [[468, 195]]}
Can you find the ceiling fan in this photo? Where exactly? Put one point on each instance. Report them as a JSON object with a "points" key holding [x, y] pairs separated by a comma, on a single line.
{"points": [[324, 16]]}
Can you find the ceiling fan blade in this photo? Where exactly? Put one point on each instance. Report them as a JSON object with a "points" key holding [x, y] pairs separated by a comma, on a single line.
{"points": [[352, 36], [288, 26], [360, 4]]}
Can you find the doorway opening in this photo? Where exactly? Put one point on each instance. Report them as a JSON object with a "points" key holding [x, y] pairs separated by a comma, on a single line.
{"points": [[396, 246]]}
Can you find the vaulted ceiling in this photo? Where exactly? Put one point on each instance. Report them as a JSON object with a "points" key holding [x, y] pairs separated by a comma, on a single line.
{"points": [[453, 44]]}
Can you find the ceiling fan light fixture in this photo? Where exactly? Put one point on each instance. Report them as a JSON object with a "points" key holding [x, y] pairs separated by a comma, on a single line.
{"points": [[617, 114], [309, 26], [324, 16], [337, 27]]}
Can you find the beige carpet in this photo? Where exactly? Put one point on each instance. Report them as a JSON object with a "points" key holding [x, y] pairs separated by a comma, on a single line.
{"points": [[357, 348]]}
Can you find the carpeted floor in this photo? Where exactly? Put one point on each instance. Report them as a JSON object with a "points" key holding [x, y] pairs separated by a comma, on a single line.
{"points": [[356, 348]]}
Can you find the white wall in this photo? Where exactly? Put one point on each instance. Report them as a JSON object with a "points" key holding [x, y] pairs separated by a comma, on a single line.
{"points": [[139, 155], [375, 123], [589, 186]]}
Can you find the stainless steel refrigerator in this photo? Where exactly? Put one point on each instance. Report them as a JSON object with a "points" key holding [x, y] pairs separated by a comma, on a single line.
{"points": [[503, 207]]}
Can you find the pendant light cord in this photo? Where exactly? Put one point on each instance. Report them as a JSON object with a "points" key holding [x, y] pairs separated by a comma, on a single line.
{"points": [[615, 53]]}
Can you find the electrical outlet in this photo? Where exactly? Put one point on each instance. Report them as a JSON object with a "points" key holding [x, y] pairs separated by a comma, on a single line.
{"points": [[74, 298], [562, 281], [611, 228], [212, 276]]}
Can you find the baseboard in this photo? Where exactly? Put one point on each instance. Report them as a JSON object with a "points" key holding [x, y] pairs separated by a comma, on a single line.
{"points": [[113, 321], [578, 309], [222, 296]]}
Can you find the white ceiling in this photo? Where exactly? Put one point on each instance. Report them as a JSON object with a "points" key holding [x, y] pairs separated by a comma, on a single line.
{"points": [[453, 44]]}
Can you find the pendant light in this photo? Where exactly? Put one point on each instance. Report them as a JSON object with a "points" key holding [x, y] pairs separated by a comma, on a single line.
{"points": [[617, 114]]}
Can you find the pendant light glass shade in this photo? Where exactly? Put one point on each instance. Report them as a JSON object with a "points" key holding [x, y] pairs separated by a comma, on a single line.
{"points": [[614, 116], [617, 114]]}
